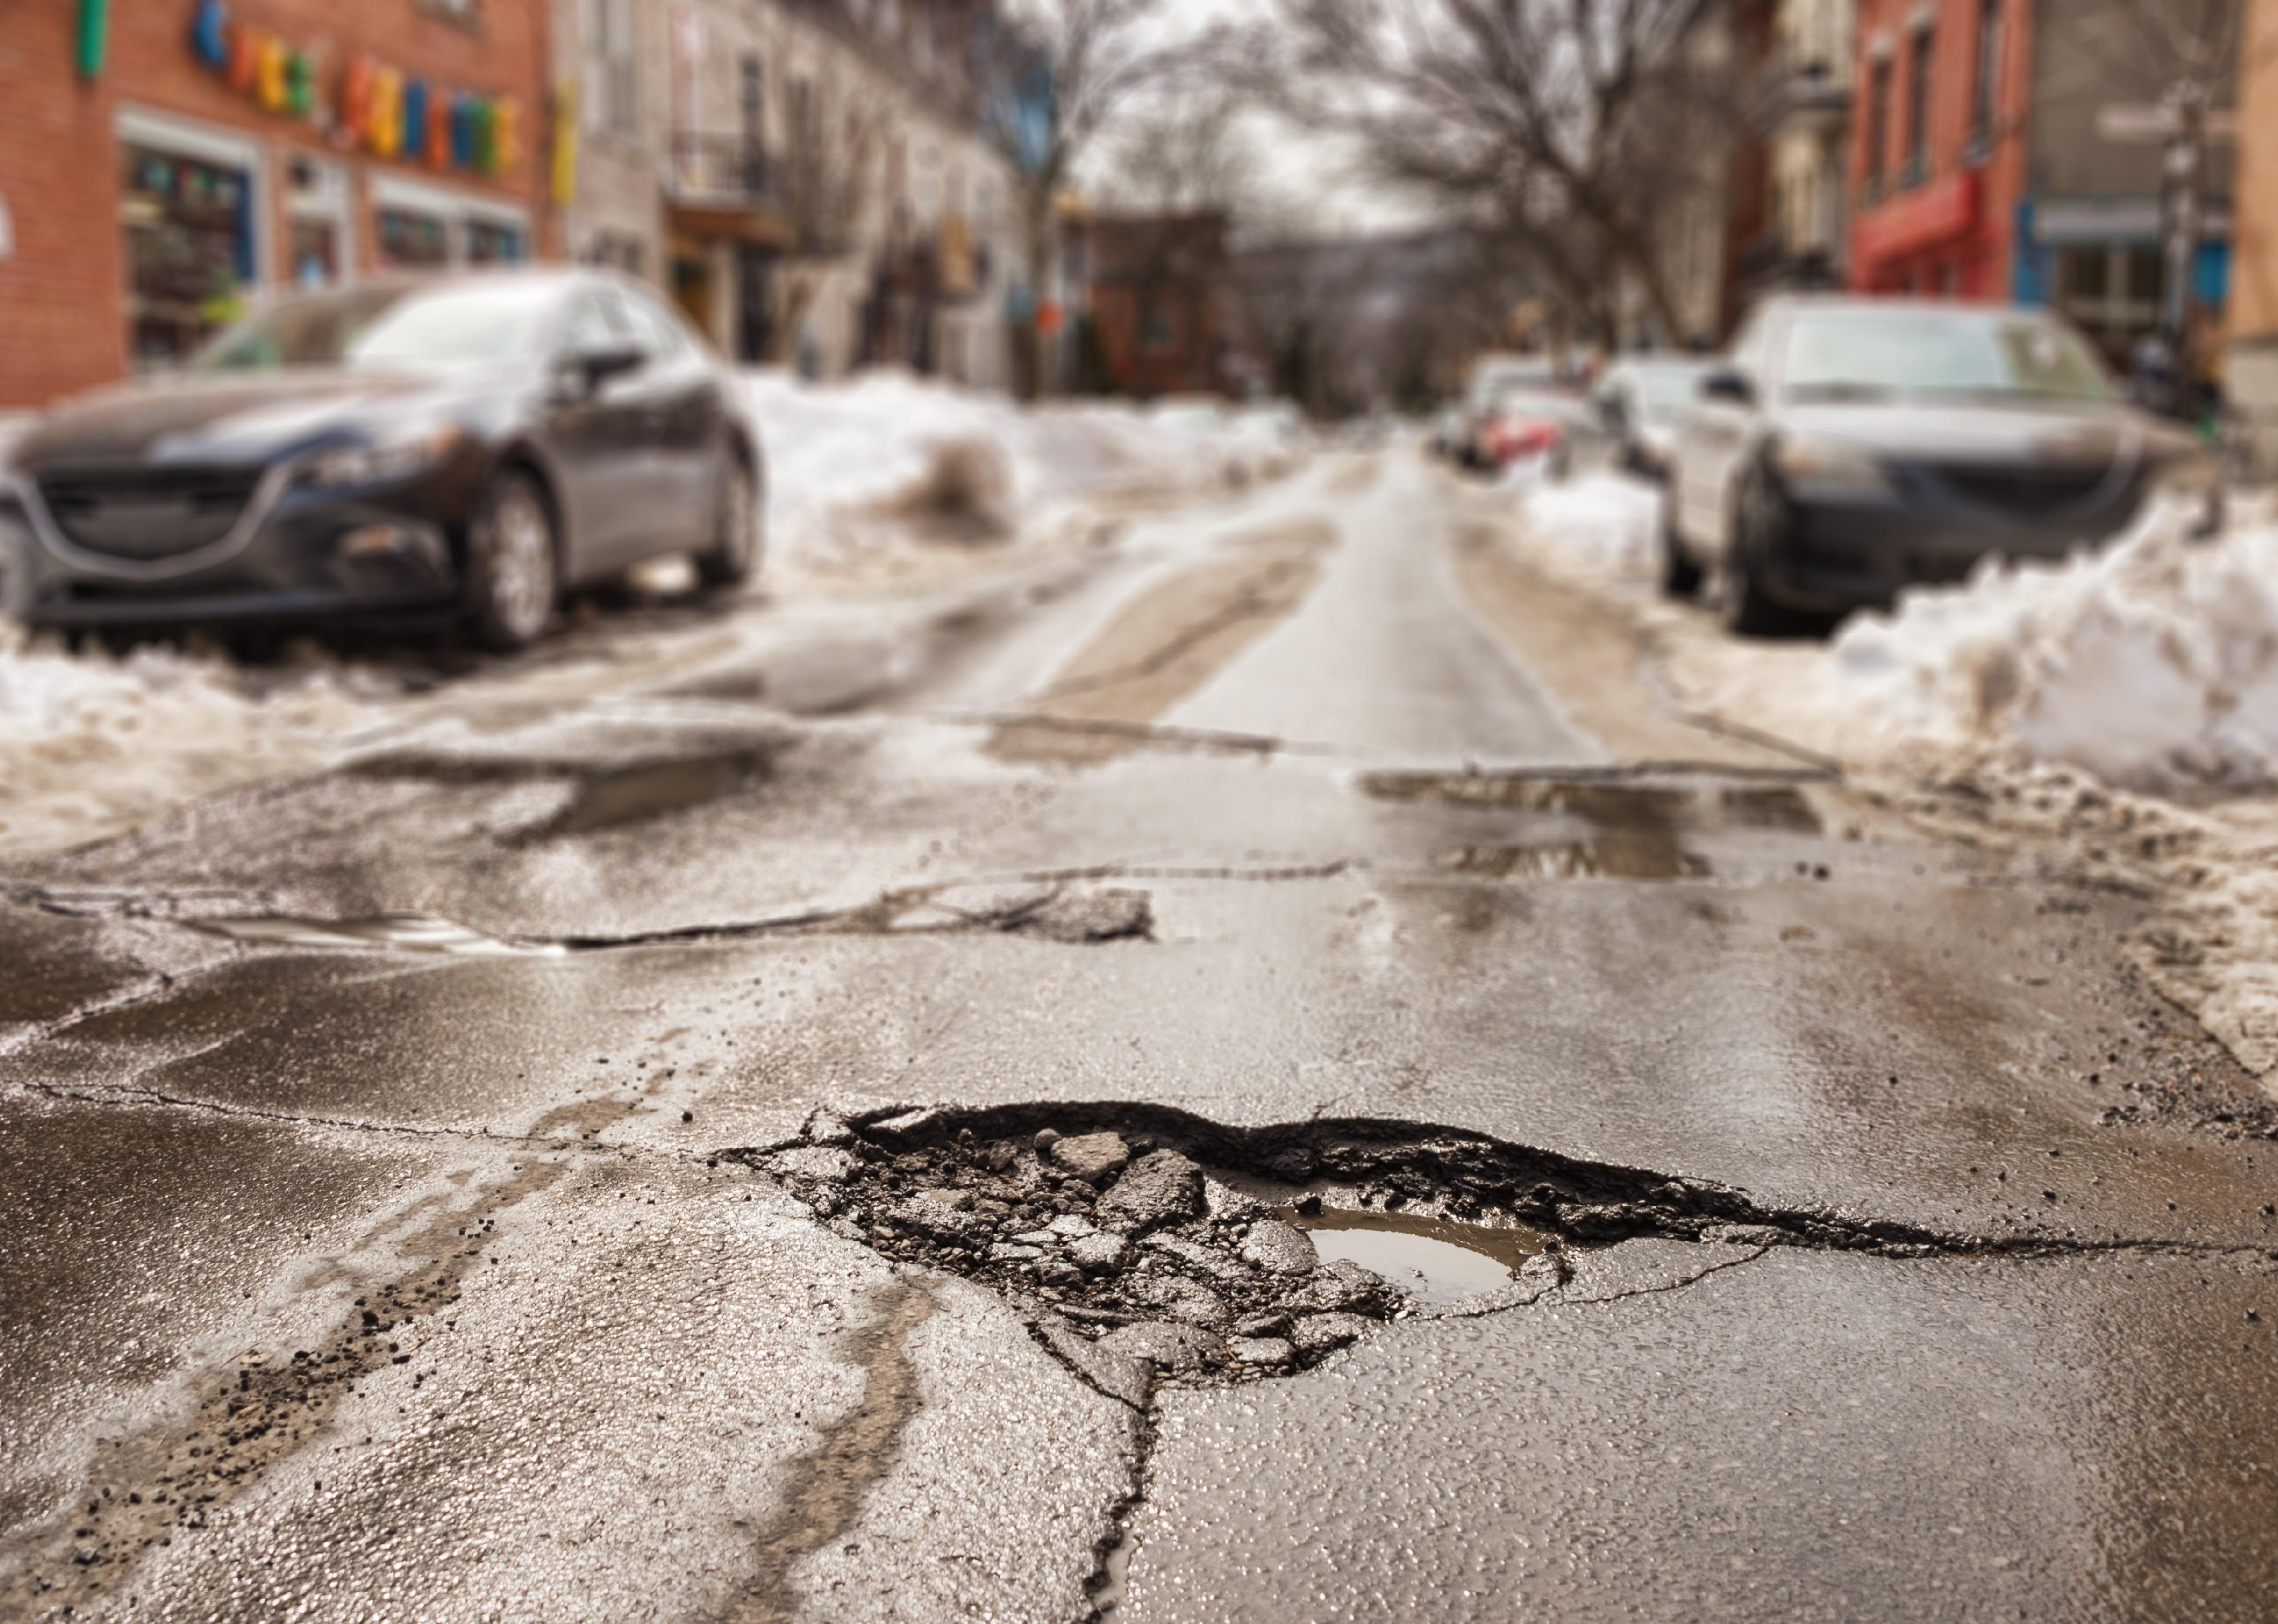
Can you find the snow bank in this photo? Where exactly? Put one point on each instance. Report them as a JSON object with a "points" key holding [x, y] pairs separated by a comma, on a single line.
{"points": [[2152, 662], [868, 466], [1602, 525], [90, 745]]}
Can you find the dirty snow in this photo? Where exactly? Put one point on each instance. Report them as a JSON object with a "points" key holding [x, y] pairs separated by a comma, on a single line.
{"points": [[865, 473], [884, 480]]}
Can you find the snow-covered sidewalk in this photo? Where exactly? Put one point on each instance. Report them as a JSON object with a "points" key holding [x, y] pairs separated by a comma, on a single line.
{"points": [[2124, 702], [885, 482]]}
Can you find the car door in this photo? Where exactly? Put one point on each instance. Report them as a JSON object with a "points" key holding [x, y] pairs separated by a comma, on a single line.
{"points": [[595, 429], [686, 427]]}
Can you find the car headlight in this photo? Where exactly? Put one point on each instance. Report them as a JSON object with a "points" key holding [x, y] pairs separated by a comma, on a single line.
{"points": [[1831, 466], [395, 456]]}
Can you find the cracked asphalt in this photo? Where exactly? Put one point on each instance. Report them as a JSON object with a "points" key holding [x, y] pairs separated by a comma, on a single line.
{"points": [[391, 1159]]}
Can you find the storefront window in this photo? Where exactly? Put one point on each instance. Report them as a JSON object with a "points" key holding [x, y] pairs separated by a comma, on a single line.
{"points": [[410, 240], [188, 225], [490, 243]]}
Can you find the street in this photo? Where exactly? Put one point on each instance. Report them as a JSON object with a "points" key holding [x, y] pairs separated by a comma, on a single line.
{"points": [[702, 1123]]}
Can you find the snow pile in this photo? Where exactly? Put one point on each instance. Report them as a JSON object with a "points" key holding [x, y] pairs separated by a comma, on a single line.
{"points": [[2151, 663], [1604, 525], [90, 745], [863, 468]]}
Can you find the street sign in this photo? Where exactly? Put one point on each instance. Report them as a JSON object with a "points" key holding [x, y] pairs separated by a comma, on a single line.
{"points": [[2142, 122]]}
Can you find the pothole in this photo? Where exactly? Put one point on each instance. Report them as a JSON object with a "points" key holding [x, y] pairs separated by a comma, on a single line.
{"points": [[1144, 1244], [1636, 826]]}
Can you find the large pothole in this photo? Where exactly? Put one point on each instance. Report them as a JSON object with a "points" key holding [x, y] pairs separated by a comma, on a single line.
{"points": [[1143, 1243]]}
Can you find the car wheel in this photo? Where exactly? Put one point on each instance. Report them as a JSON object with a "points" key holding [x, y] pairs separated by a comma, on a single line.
{"points": [[736, 546], [1747, 612], [513, 565], [1680, 576]]}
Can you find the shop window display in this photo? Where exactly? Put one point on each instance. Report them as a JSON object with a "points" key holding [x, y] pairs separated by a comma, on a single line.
{"points": [[188, 227]]}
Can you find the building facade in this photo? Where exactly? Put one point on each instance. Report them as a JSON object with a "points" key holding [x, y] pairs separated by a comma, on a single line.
{"points": [[1159, 302], [2011, 149], [830, 196], [1791, 211], [2091, 226], [1941, 97], [159, 174]]}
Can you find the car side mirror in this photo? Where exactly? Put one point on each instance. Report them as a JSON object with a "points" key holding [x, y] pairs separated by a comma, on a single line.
{"points": [[593, 368], [1730, 386]]}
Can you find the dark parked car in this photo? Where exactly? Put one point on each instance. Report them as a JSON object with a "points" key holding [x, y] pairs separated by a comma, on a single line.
{"points": [[1642, 402], [473, 444], [1847, 447]]}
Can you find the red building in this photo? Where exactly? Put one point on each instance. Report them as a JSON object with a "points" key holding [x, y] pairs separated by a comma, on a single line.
{"points": [[162, 164], [1939, 145], [1159, 301]]}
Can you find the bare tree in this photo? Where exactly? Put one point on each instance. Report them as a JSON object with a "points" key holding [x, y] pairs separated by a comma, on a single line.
{"points": [[1565, 128], [1053, 75]]}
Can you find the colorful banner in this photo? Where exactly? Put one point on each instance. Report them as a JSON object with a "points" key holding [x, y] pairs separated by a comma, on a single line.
{"points": [[374, 106]]}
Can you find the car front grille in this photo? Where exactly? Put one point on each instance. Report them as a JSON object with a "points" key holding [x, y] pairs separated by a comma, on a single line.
{"points": [[2043, 491], [144, 513]]}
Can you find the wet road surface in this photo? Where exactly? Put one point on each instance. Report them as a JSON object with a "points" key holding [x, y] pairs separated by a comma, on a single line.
{"points": [[401, 1226]]}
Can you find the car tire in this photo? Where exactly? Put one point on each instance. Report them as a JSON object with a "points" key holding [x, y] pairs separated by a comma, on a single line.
{"points": [[513, 564], [1680, 576], [734, 550], [1747, 612]]}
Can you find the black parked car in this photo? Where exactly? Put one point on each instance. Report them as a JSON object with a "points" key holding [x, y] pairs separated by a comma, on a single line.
{"points": [[1848, 447], [473, 443]]}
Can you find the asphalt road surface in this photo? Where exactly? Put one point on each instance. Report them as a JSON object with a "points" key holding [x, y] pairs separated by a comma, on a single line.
{"points": [[571, 1162]]}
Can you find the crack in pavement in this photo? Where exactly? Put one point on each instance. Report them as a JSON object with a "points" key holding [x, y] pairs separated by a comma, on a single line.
{"points": [[131, 1098]]}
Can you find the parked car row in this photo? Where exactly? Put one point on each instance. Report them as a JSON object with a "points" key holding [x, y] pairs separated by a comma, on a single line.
{"points": [[470, 446], [1844, 448], [1516, 410]]}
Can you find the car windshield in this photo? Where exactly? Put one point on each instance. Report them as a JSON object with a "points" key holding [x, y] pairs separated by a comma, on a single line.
{"points": [[386, 327], [1833, 353]]}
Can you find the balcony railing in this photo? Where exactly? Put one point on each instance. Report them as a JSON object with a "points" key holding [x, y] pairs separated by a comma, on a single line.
{"points": [[721, 171]]}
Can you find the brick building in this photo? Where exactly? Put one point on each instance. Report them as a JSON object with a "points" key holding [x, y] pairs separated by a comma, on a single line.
{"points": [[159, 173], [1938, 144], [1159, 301]]}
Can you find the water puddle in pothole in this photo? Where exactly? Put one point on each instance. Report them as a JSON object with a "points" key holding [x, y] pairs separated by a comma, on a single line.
{"points": [[1636, 831], [1433, 1259], [407, 933]]}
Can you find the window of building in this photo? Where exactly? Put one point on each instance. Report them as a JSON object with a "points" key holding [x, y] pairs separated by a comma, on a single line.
{"points": [[422, 227], [316, 222], [751, 100], [612, 77], [1985, 89], [2112, 292], [187, 210], [494, 242], [412, 240], [1155, 326], [1878, 123], [1923, 50]]}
